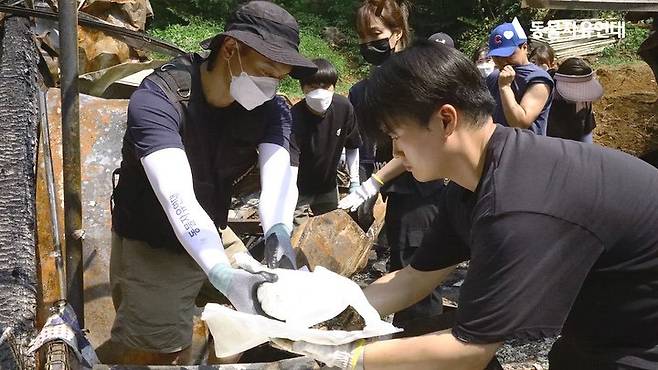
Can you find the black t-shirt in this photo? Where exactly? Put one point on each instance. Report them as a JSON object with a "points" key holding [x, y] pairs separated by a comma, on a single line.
{"points": [[318, 141], [566, 121], [562, 236], [357, 96]]}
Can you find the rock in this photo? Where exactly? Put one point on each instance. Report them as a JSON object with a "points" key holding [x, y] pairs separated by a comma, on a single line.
{"points": [[335, 241]]}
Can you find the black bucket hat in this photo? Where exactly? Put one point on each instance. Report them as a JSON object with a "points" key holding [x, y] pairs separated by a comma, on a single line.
{"points": [[271, 31]]}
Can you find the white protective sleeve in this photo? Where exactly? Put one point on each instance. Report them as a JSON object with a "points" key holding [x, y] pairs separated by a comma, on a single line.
{"points": [[170, 176], [278, 180], [352, 160]]}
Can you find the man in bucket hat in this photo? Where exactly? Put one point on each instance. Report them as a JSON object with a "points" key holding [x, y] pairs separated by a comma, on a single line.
{"points": [[522, 90], [195, 127]]}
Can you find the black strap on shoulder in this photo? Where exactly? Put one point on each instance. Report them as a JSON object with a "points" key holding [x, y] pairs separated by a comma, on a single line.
{"points": [[175, 80]]}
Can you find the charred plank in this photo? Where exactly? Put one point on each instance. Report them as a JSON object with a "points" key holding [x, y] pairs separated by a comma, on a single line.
{"points": [[18, 137]]}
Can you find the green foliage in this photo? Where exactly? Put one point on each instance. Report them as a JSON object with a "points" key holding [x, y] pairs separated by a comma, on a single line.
{"points": [[469, 22], [475, 25], [313, 46], [185, 24], [169, 12], [188, 36], [626, 50]]}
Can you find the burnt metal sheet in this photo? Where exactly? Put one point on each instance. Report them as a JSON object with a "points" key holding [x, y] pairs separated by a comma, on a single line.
{"points": [[333, 240], [96, 83], [627, 5], [102, 124]]}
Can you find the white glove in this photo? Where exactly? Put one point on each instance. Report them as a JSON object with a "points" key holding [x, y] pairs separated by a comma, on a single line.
{"points": [[367, 190], [345, 356]]}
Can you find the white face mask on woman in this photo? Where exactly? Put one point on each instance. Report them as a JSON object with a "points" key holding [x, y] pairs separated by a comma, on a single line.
{"points": [[319, 100], [486, 68], [251, 91]]}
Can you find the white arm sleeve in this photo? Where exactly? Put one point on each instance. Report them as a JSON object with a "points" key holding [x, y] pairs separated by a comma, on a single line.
{"points": [[278, 180], [352, 160], [170, 176]]}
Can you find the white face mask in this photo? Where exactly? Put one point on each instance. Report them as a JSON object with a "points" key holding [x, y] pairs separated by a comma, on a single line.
{"points": [[251, 91], [486, 68], [319, 100]]}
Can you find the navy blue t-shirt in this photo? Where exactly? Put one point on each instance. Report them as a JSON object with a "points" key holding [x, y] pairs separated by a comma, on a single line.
{"points": [[221, 145], [526, 75], [154, 123]]}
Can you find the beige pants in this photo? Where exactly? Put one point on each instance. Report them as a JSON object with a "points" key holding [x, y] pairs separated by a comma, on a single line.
{"points": [[155, 292]]}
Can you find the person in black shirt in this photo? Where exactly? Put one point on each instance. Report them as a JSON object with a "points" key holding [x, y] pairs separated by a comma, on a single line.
{"points": [[323, 124], [562, 236], [572, 116], [383, 30]]}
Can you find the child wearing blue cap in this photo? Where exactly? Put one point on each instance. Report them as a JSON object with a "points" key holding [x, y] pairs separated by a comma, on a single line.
{"points": [[522, 90]]}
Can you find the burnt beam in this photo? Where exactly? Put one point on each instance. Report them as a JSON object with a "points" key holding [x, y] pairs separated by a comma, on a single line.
{"points": [[19, 58]]}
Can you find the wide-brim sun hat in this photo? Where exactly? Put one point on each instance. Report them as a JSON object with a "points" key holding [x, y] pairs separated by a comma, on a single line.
{"points": [[271, 31]]}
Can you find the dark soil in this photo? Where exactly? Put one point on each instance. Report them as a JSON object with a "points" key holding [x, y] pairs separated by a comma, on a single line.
{"points": [[627, 115]]}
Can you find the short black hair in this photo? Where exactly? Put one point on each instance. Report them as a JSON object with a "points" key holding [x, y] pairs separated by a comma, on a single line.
{"points": [[574, 67], [543, 52], [326, 74], [414, 83], [483, 49]]}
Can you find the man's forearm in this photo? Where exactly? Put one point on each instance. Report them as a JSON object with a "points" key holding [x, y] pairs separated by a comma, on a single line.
{"points": [[514, 112], [352, 160], [169, 174], [391, 170], [440, 350], [278, 187], [400, 289]]}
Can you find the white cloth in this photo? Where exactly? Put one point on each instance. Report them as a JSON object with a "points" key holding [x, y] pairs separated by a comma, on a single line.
{"points": [[235, 332]]}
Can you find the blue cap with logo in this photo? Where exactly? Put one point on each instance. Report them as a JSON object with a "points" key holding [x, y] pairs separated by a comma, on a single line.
{"points": [[506, 38]]}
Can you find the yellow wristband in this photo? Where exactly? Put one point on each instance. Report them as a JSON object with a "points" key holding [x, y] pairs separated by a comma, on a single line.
{"points": [[378, 179], [357, 353]]}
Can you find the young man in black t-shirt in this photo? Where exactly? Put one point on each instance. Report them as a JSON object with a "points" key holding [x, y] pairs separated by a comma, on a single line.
{"points": [[562, 236], [323, 124]]}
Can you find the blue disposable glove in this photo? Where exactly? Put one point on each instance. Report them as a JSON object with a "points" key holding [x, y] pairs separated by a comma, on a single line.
{"points": [[278, 248], [239, 286]]}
